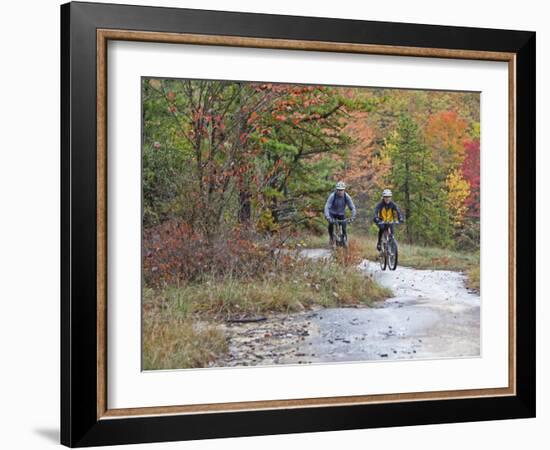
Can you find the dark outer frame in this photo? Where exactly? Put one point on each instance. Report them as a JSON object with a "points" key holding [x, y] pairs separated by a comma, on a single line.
{"points": [[80, 425]]}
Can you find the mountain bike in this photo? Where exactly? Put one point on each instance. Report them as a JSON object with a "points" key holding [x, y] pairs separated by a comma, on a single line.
{"points": [[340, 238], [388, 254]]}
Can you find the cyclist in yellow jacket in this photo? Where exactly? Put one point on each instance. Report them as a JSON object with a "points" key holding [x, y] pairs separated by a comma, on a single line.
{"points": [[386, 211]]}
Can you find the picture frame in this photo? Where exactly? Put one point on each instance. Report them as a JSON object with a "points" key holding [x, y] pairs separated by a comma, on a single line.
{"points": [[86, 419]]}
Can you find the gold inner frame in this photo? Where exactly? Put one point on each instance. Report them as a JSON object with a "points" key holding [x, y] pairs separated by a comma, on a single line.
{"points": [[103, 36]]}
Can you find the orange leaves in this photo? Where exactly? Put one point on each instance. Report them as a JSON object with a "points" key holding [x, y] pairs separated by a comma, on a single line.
{"points": [[253, 118], [365, 168], [445, 134]]}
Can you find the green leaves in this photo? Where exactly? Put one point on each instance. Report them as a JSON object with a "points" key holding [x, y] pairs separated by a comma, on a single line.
{"points": [[221, 154], [413, 179]]}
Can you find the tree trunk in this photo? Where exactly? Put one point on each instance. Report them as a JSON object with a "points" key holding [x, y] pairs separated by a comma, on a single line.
{"points": [[244, 206]]}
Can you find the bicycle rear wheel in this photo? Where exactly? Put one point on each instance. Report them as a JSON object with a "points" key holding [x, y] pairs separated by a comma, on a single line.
{"points": [[392, 254]]}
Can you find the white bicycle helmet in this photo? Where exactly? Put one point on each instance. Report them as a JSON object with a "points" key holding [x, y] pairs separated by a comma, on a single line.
{"points": [[340, 186], [386, 193]]}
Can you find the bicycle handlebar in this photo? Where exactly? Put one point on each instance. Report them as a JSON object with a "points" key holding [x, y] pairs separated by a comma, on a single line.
{"points": [[342, 220], [389, 223]]}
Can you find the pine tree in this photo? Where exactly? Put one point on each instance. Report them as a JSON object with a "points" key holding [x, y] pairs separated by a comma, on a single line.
{"points": [[413, 178]]}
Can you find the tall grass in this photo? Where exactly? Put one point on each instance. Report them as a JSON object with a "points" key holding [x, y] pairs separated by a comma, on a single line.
{"points": [[304, 284], [173, 341]]}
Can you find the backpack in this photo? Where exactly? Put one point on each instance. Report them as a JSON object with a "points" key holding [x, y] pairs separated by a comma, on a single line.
{"points": [[346, 197]]}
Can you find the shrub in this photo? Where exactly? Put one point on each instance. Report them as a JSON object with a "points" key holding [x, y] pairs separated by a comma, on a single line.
{"points": [[173, 253]]}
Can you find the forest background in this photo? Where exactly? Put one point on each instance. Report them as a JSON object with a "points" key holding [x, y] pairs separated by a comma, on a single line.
{"points": [[235, 176]]}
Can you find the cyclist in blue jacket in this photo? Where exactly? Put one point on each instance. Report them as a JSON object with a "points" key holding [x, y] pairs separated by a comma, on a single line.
{"points": [[335, 208]]}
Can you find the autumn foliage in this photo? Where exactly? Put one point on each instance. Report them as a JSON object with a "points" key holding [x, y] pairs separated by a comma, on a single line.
{"points": [[228, 166], [173, 253], [445, 134], [470, 169]]}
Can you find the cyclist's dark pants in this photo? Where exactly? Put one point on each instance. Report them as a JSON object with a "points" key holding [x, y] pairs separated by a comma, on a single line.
{"points": [[381, 229], [331, 226]]}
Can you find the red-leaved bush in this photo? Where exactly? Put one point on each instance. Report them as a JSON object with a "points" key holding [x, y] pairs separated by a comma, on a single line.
{"points": [[173, 253]]}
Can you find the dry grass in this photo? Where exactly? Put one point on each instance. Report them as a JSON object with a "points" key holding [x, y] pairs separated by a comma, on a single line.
{"points": [[473, 278], [303, 284], [171, 341]]}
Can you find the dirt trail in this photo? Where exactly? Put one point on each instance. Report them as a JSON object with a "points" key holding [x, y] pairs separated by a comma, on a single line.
{"points": [[432, 315]]}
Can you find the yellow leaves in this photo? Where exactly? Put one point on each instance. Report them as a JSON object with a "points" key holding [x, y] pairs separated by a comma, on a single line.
{"points": [[458, 191]]}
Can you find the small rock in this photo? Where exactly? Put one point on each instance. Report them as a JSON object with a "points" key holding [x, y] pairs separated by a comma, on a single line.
{"points": [[383, 355]]}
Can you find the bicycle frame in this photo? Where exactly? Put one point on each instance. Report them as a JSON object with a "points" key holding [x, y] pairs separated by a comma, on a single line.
{"points": [[388, 236], [340, 238]]}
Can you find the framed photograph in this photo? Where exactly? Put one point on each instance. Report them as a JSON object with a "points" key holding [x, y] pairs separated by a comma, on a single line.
{"points": [[277, 224]]}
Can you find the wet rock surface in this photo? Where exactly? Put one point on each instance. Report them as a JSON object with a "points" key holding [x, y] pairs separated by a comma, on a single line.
{"points": [[432, 315], [277, 340]]}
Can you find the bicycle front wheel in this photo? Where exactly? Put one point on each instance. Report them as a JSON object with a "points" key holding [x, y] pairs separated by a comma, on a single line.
{"points": [[392, 254], [382, 259]]}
